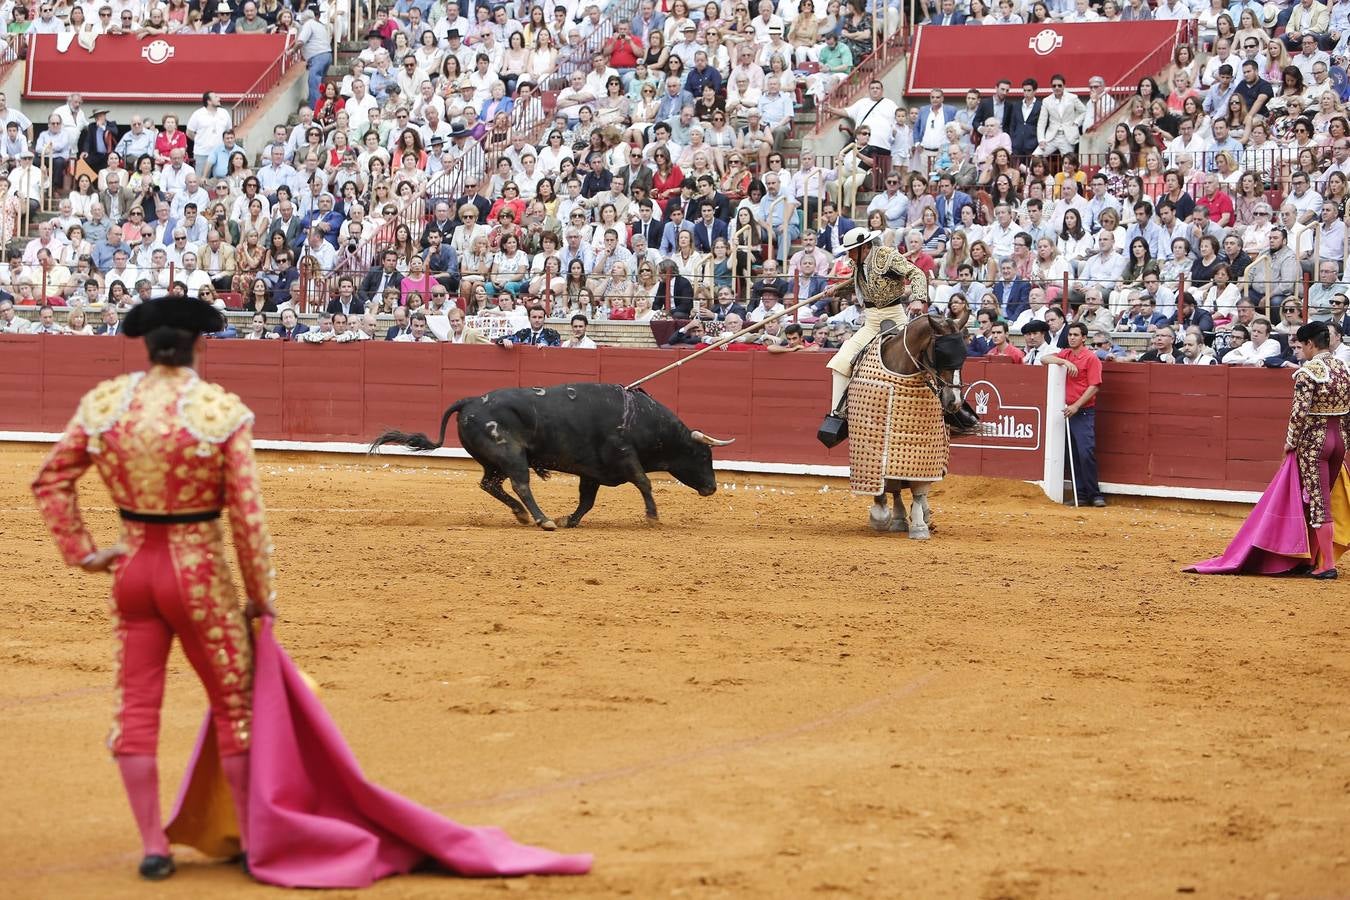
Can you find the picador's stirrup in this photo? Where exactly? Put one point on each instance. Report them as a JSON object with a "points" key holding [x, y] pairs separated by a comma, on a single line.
{"points": [[834, 429]]}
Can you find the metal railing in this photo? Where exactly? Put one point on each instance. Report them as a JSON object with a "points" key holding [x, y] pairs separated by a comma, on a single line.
{"points": [[252, 97], [888, 46]]}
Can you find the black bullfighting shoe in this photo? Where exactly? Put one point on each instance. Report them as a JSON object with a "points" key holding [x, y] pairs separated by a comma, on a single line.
{"points": [[157, 868]]}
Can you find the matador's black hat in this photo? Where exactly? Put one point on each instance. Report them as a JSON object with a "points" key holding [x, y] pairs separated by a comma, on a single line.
{"points": [[196, 316]]}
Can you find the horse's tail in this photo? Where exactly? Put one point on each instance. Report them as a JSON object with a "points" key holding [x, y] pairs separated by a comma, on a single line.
{"points": [[419, 441]]}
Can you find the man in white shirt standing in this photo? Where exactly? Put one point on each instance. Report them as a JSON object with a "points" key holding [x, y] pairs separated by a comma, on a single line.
{"points": [[206, 127], [72, 116], [877, 112]]}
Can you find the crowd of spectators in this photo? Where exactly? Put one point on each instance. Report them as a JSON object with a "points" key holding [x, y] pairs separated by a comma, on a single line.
{"points": [[427, 176], [1222, 191], [431, 176]]}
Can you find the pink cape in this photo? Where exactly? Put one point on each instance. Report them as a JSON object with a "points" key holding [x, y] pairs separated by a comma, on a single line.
{"points": [[314, 820], [1275, 538]]}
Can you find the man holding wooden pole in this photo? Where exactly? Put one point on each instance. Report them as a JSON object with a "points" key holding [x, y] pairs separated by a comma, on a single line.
{"points": [[884, 279]]}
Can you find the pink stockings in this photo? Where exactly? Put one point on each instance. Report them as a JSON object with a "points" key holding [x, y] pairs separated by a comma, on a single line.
{"points": [[140, 776]]}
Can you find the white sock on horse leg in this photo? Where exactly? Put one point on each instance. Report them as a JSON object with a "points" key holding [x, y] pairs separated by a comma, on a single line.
{"points": [[838, 384]]}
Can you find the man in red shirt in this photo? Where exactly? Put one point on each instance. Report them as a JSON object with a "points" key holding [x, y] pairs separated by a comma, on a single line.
{"points": [[1220, 205], [623, 50], [999, 333], [1080, 397]]}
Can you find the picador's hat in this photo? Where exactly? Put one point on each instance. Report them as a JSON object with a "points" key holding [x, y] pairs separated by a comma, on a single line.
{"points": [[195, 316], [856, 237]]}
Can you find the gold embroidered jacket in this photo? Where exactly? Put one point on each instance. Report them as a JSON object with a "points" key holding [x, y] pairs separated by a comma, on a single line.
{"points": [[164, 442], [1321, 391], [886, 278]]}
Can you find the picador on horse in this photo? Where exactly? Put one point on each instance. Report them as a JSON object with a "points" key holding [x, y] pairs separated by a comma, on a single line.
{"points": [[893, 383]]}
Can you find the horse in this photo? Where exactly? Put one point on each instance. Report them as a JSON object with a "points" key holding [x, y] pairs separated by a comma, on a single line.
{"points": [[930, 345]]}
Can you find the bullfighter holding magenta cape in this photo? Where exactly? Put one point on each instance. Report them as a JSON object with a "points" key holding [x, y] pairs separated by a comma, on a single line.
{"points": [[1303, 519]]}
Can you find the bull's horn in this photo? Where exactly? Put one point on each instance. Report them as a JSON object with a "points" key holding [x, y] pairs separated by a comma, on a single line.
{"points": [[710, 441]]}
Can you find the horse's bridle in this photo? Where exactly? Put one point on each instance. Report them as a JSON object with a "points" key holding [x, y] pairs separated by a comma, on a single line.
{"points": [[926, 366]]}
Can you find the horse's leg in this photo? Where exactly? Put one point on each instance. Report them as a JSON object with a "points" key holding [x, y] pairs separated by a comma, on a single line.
{"points": [[899, 521], [919, 523], [879, 516]]}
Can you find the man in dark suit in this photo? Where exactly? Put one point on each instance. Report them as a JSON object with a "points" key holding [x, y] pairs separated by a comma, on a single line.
{"points": [[441, 221], [708, 228], [536, 335], [222, 23], [290, 328], [346, 301], [948, 15], [950, 202], [1192, 315], [1025, 116], [833, 227], [1011, 292], [681, 290], [385, 275], [471, 196], [1059, 331], [707, 190], [112, 324], [636, 174], [400, 326], [598, 179], [996, 107], [288, 223], [98, 139], [648, 223]]}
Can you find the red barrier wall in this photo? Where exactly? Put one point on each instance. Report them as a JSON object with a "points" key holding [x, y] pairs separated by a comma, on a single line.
{"points": [[124, 67], [1192, 426], [1214, 427]]}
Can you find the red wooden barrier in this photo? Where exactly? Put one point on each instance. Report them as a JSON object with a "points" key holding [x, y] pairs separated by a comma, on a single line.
{"points": [[1193, 427]]}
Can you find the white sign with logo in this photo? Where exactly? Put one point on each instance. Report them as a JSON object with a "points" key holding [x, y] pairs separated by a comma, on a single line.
{"points": [[158, 51], [1002, 427], [1045, 42]]}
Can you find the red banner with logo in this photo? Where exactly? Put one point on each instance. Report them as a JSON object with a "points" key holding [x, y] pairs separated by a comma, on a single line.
{"points": [[956, 58], [155, 68]]}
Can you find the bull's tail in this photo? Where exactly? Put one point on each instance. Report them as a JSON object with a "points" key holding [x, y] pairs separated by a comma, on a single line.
{"points": [[419, 441]]}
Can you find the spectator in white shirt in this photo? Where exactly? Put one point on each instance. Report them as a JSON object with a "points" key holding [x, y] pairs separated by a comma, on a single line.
{"points": [[1256, 351], [579, 340]]}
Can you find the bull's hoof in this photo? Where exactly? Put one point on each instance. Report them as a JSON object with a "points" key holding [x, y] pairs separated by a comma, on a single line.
{"points": [[653, 520], [918, 533], [524, 518], [548, 525], [879, 517]]}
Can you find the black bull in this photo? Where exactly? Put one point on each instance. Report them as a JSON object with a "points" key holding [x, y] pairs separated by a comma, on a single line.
{"points": [[603, 433]]}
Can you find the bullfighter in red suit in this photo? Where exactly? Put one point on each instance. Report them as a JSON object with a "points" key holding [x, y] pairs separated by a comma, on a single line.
{"points": [[174, 452]]}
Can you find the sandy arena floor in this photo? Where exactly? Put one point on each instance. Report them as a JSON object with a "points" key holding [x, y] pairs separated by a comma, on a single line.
{"points": [[759, 698]]}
